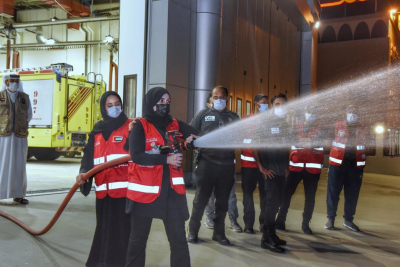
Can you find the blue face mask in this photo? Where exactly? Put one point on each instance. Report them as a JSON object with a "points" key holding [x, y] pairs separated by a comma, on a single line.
{"points": [[263, 107], [114, 111], [352, 118], [219, 104], [310, 117]]}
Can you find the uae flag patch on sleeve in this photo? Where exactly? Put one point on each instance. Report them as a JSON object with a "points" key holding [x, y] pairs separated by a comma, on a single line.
{"points": [[117, 139]]}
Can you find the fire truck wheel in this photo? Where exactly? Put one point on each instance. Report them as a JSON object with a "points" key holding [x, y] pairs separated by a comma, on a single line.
{"points": [[45, 153], [69, 155]]}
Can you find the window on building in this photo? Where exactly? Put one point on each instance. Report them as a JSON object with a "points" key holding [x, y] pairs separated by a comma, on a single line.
{"points": [[328, 35], [239, 107], [248, 107], [345, 33], [379, 30], [130, 83], [362, 31], [392, 143]]}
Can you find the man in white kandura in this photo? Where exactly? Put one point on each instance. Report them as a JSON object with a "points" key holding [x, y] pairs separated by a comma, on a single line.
{"points": [[15, 114]]}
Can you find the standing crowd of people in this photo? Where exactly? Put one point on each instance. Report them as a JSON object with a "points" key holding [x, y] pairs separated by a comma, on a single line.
{"points": [[151, 186]]}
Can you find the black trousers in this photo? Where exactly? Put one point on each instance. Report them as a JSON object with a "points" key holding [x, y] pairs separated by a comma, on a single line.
{"points": [[274, 190], [250, 178], [140, 229], [349, 177], [211, 177], [310, 182]]}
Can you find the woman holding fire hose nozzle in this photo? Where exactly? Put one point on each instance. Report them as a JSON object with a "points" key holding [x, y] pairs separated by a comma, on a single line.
{"points": [[156, 188]]}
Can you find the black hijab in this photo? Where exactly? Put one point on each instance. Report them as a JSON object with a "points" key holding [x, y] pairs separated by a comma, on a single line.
{"points": [[108, 124], [150, 100]]}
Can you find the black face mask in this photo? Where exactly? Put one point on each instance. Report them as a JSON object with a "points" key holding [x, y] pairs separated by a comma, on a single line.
{"points": [[162, 110]]}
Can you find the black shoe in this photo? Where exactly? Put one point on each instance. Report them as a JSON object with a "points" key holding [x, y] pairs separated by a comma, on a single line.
{"points": [[330, 224], [221, 239], [192, 238], [279, 241], [248, 229], [306, 228], [235, 226], [280, 225], [269, 243], [352, 226]]}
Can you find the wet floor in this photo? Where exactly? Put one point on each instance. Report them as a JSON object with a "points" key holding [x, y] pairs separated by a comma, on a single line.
{"points": [[68, 243]]}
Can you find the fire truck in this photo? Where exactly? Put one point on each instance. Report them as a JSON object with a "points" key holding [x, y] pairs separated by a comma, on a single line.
{"points": [[65, 109]]}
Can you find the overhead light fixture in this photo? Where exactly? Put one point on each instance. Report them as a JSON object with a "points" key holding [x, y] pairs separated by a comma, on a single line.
{"points": [[317, 24], [109, 39], [53, 18], [392, 12], [50, 41], [379, 129]]}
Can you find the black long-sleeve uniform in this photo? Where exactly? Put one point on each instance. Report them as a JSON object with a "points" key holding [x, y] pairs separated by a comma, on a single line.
{"points": [[170, 206], [215, 170]]}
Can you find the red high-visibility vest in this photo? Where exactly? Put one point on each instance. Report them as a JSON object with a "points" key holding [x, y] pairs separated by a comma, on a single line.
{"points": [[112, 181], [310, 158], [246, 157], [144, 182], [339, 145]]}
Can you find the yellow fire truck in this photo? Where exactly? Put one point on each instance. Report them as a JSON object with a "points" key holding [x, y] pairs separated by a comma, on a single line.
{"points": [[65, 109]]}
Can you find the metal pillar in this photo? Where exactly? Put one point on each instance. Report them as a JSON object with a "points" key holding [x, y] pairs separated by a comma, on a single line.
{"points": [[207, 50]]}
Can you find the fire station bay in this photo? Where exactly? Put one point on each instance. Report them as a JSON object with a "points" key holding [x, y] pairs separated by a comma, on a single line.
{"points": [[277, 122]]}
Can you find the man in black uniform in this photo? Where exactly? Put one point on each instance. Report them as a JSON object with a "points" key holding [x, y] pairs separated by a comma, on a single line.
{"points": [[273, 162], [215, 168]]}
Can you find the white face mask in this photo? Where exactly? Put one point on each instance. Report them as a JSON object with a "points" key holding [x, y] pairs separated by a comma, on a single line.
{"points": [[280, 112], [263, 107], [13, 87], [219, 104], [114, 111], [310, 117], [352, 118]]}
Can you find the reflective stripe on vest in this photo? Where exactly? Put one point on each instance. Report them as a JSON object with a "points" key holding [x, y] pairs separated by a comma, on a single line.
{"points": [[177, 180], [98, 161], [117, 185], [338, 144], [360, 147], [143, 188], [301, 165], [319, 148], [314, 165], [360, 163], [102, 187], [293, 147], [338, 161], [115, 156], [247, 158]]}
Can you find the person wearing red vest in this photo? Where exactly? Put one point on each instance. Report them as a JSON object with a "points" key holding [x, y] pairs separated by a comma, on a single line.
{"points": [[108, 141], [305, 164], [251, 176], [156, 187], [347, 160]]}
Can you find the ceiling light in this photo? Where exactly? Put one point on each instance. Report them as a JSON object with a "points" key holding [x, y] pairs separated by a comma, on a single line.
{"points": [[317, 24], [109, 39], [53, 18], [379, 129]]}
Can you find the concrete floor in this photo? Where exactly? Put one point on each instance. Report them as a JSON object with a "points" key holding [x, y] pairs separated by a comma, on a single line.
{"points": [[68, 243]]}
